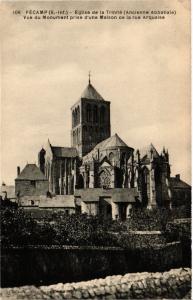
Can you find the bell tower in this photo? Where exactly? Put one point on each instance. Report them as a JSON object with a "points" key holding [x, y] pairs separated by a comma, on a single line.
{"points": [[90, 120]]}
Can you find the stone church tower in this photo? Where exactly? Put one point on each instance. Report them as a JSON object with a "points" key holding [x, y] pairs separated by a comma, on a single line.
{"points": [[100, 173], [90, 120]]}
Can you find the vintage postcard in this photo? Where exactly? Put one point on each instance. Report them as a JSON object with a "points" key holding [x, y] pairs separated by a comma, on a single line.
{"points": [[96, 149]]}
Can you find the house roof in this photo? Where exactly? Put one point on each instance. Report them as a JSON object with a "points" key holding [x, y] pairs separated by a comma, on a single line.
{"points": [[64, 151], [9, 189], [91, 93], [31, 172], [177, 183]]}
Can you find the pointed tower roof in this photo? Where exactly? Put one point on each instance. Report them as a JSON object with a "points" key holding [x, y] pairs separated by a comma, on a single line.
{"points": [[112, 142], [91, 93], [115, 141]]}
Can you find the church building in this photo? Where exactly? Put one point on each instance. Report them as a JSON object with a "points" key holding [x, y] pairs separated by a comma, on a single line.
{"points": [[104, 174]]}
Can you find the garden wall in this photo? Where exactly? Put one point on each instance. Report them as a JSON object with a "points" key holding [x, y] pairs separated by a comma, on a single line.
{"points": [[45, 265], [139, 239], [175, 284]]}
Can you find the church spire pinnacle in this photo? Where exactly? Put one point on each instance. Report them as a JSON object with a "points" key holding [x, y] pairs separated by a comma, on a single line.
{"points": [[89, 76]]}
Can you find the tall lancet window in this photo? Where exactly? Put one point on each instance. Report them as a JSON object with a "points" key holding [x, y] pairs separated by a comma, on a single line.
{"points": [[78, 115], [88, 113], [95, 114]]}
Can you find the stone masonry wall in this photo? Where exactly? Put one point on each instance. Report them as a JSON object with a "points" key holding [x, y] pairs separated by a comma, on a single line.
{"points": [[175, 284], [25, 188]]}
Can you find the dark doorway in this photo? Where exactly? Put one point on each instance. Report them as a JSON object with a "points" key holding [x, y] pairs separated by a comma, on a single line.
{"points": [[105, 209], [122, 211], [80, 181], [119, 178]]}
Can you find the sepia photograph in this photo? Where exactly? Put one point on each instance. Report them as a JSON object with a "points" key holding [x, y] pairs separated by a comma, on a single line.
{"points": [[95, 191]]}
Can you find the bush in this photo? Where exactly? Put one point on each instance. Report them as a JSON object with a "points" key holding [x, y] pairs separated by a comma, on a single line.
{"points": [[145, 219], [81, 230], [155, 219], [18, 227]]}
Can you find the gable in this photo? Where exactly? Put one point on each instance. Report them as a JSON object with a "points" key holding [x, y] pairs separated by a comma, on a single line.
{"points": [[31, 172]]}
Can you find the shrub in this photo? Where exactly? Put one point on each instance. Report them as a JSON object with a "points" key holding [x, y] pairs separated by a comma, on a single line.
{"points": [[154, 219], [19, 227], [16, 228], [145, 219]]}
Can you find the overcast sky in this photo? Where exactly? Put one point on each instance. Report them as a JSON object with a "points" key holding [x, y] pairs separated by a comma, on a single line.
{"points": [[143, 68]]}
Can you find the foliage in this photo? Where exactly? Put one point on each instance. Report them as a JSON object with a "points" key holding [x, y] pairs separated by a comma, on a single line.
{"points": [[82, 230], [16, 228], [19, 227], [180, 230], [7, 203], [154, 219]]}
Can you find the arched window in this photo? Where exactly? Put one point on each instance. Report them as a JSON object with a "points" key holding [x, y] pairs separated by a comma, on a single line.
{"points": [[73, 118], [78, 115], [84, 132], [112, 158], [80, 182], [88, 113], [123, 159], [102, 114], [95, 114], [146, 175]]}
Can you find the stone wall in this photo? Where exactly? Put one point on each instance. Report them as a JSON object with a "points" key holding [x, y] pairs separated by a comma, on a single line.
{"points": [[140, 239], [46, 265], [175, 284], [31, 188]]}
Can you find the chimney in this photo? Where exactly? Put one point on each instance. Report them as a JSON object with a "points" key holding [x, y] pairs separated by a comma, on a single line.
{"points": [[178, 176], [18, 171]]}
